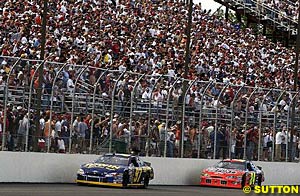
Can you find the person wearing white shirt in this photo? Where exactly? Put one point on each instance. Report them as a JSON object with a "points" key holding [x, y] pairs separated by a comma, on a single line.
{"points": [[122, 68], [279, 137], [158, 99], [284, 142], [61, 145], [146, 95], [70, 85], [267, 144], [57, 127]]}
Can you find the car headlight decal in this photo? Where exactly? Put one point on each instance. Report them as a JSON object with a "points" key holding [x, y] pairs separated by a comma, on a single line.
{"points": [[114, 174], [205, 174], [80, 172], [231, 177]]}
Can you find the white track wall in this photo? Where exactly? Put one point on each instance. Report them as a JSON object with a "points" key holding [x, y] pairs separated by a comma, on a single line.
{"points": [[61, 168]]}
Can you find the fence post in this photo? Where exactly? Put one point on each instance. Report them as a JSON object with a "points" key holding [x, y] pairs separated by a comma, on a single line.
{"points": [[216, 120], [5, 103], [260, 125], [167, 115], [149, 117], [72, 114], [183, 117], [274, 125], [51, 101], [131, 108], [93, 110], [246, 121], [290, 141], [30, 96], [200, 117], [112, 111], [231, 121]]}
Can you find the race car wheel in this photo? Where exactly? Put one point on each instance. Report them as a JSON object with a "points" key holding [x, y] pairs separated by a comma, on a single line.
{"points": [[146, 181], [80, 184], [259, 180], [243, 181], [125, 179]]}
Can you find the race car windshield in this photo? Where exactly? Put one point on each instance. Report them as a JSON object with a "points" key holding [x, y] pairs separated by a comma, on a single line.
{"points": [[231, 165], [113, 160]]}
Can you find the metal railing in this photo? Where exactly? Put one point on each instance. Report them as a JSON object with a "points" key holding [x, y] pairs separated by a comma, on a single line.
{"points": [[211, 120], [264, 12]]}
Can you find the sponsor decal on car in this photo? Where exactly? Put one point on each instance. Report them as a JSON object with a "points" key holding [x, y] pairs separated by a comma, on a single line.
{"points": [[101, 165]]}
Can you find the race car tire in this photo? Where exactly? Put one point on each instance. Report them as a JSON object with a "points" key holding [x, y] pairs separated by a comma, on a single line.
{"points": [[146, 181], [125, 179], [80, 184], [259, 180], [243, 181]]}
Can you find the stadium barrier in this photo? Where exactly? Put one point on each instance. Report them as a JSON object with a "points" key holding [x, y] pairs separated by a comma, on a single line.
{"points": [[18, 167]]}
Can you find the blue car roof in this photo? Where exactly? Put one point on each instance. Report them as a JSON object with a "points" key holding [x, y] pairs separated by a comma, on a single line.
{"points": [[119, 155]]}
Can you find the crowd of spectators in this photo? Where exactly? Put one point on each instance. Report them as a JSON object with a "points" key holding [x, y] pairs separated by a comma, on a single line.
{"points": [[144, 37]]}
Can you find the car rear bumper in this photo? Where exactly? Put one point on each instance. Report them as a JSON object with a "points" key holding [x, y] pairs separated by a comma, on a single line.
{"points": [[220, 182]]}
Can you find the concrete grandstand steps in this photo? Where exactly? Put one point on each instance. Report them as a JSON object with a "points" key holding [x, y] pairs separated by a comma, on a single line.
{"points": [[15, 95]]}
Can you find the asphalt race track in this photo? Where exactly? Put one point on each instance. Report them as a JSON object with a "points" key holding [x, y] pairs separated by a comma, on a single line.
{"points": [[74, 190]]}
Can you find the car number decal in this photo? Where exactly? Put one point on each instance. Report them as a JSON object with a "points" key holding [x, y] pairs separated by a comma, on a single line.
{"points": [[137, 174], [252, 179]]}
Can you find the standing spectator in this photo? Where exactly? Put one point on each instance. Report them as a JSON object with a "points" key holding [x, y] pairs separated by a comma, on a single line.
{"points": [[70, 84], [23, 125], [65, 129], [293, 147], [193, 136], [47, 132], [75, 133], [146, 97], [252, 138], [162, 138], [170, 143], [233, 142], [267, 144], [239, 145], [220, 137], [61, 144], [278, 141], [58, 126], [283, 143], [158, 98], [82, 128], [177, 130], [121, 100], [154, 136]]}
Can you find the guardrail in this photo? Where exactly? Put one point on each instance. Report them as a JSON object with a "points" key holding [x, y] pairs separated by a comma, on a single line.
{"points": [[58, 168]]}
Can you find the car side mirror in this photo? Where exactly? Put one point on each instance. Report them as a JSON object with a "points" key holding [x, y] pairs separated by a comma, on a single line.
{"points": [[259, 167], [147, 163]]}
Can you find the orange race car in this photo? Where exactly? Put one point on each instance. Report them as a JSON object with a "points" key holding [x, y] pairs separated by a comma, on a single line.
{"points": [[232, 173]]}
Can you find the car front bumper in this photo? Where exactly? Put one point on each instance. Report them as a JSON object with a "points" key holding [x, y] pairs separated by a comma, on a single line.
{"points": [[220, 182], [99, 183]]}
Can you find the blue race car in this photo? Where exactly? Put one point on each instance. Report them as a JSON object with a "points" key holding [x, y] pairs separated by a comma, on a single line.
{"points": [[119, 170]]}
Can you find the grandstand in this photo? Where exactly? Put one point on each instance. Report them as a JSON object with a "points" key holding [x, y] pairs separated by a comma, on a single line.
{"points": [[124, 63]]}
